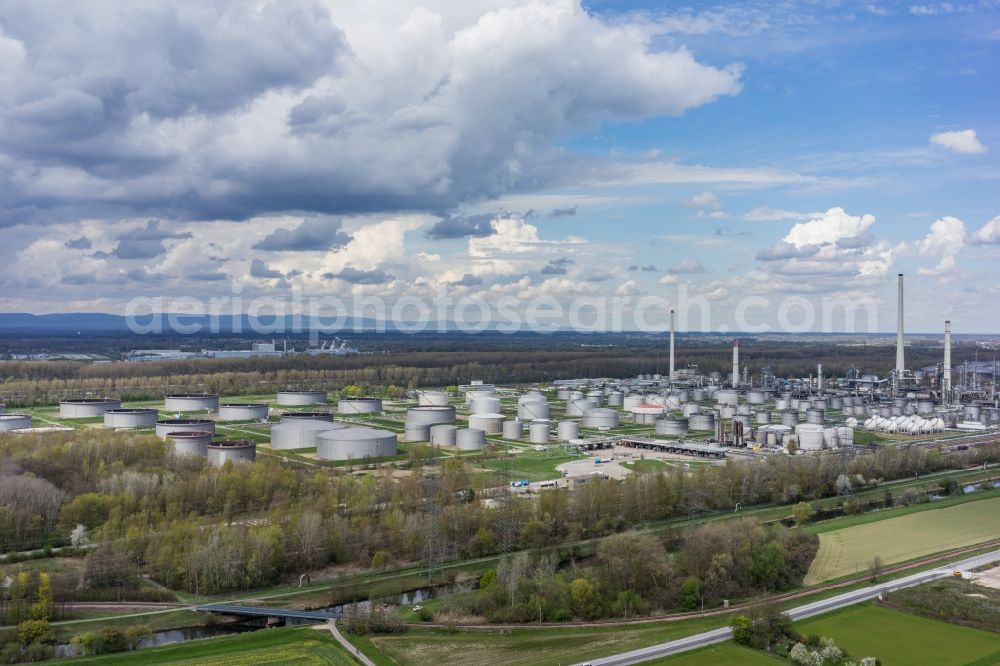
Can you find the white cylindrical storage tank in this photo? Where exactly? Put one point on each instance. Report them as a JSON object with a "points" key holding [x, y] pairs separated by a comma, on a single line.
{"points": [[830, 440], [674, 427], [513, 429], [429, 415], [243, 411], [568, 430], [973, 412], [727, 411], [600, 417], [616, 399], [477, 393], [815, 416], [355, 444], [491, 424], [782, 404], [416, 433], [563, 394], [191, 402], [744, 410], [727, 398], [130, 418], [762, 418], [14, 421], [231, 450], [485, 405], [756, 397], [575, 395], [167, 426], [309, 416], [578, 407], [644, 414], [845, 436], [301, 398], [597, 397], [191, 443], [300, 433], [534, 409], [810, 436], [836, 402], [682, 396], [470, 439], [690, 409], [630, 401], [432, 398], [86, 408], [443, 434], [369, 405], [819, 403], [698, 394], [538, 432], [702, 421]]}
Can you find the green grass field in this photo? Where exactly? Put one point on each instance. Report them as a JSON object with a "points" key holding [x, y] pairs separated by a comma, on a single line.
{"points": [[530, 647], [724, 654], [848, 550], [899, 639], [291, 646], [533, 465]]}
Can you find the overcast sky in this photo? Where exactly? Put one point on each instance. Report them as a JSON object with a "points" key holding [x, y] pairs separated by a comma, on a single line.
{"points": [[522, 148]]}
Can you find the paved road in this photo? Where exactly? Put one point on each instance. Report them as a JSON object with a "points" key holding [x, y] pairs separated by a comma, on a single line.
{"points": [[799, 613]]}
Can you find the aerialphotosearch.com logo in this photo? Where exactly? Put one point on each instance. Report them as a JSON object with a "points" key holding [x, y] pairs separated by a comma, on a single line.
{"points": [[295, 313]]}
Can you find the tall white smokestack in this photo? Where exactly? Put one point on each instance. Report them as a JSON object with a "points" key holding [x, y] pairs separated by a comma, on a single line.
{"points": [[671, 345], [946, 376], [819, 378], [900, 364], [736, 362]]}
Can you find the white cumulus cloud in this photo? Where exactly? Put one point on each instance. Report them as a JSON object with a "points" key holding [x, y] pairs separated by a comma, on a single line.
{"points": [[832, 226], [959, 141]]}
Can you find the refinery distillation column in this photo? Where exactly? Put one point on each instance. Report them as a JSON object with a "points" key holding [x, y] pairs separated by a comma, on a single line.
{"points": [[946, 375], [736, 362], [899, 332], [671, 346]]}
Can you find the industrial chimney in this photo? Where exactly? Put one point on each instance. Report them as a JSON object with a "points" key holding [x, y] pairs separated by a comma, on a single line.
{"points": [[946, 375], [819, 379], [671, 345], [736, 362], [900, 364]]}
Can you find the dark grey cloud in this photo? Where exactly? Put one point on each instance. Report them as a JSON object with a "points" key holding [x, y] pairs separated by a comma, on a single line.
{"points": [[314, 234], [599, 276], [211, 110], [209, 276], [78, 278], [81, 243], [144, 242], [259, 269], [633, 268], [468, 280], [649, 268], [726, 231], [142, 275], [563, 212], [461, 226], [556, 266], [355, 276]]}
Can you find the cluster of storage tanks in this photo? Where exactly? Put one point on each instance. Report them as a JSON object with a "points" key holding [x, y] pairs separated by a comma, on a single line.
{"points": [[911, 425]]}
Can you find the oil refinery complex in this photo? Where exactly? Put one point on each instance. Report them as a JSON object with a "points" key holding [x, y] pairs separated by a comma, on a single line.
{"points": [[681, 415]]}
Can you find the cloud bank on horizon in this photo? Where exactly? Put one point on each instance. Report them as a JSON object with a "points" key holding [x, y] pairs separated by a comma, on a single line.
{"points": [[501, 148]]}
